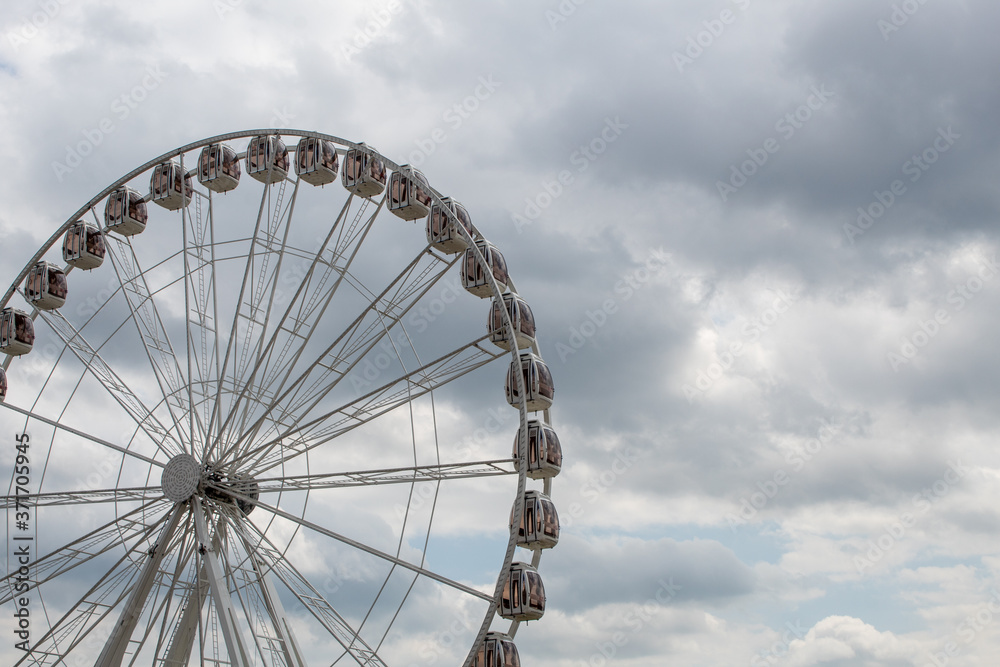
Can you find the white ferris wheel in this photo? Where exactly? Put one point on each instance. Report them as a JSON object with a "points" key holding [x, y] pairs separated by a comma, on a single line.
{"points": [[266, 431]]}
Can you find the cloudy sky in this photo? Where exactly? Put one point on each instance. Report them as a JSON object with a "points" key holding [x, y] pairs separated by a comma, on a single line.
{"points": [[759, 239]]}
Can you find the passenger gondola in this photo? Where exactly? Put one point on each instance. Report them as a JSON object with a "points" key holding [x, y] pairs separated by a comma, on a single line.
{"points": [[267, 159], [441, 231], [45, 287], [521, 317], [316, 161], [497, 650], [474, 277], [544, 450], [125, 212], [170, 187], [537, 382], [3, 384], [523, 595], [364, 173], [539, 526], [218, 168], [83, 246], [409, 194], [17, 332]]}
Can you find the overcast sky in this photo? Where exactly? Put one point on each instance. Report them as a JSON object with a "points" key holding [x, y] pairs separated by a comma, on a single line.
{"points": [[759, 238]]}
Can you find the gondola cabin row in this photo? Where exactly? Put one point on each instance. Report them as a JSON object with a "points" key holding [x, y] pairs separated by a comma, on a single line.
{"points": [[497, 650], [218, 168], [537, 383], [45, 287], [3, 384], [475, 279], [409, 195], [521, 317], [267, 159], [539, 527], [523, 595], [83, 246], [441, 232], [544, 450], [125, 212], [364, 173], [170, 187], [17, 332], [316, 161]]}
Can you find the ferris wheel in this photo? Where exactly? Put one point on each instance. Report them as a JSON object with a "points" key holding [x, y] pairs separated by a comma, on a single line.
{"points": [[260, 420]]}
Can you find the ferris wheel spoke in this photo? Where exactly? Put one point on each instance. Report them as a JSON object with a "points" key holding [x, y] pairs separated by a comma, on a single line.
{"points": [[370, 550], [201, 311], [296, 399], [303, 437], [295, 327], [106, 376], [260, 280], [267, 603], [273, 561], [405, 475], [77, 432], [123, 529], [90, 610], [152, 332], [87, 497]]}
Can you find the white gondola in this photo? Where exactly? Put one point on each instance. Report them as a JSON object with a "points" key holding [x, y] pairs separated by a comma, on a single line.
{"points": [[316, 161], [539, 528], [521, 318], [523, 595], [218, 168], [83, 246], [267, 159], [17, 332], [170, 187], [45, 287], [537, 382], [474, 277], [125, 212], [497, 650], [441, 232], [364, 174], [409, 196], [3, 384], [544, 450]]}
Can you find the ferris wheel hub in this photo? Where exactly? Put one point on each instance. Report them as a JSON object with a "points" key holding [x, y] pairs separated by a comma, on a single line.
{"points": [[181, 477]]}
